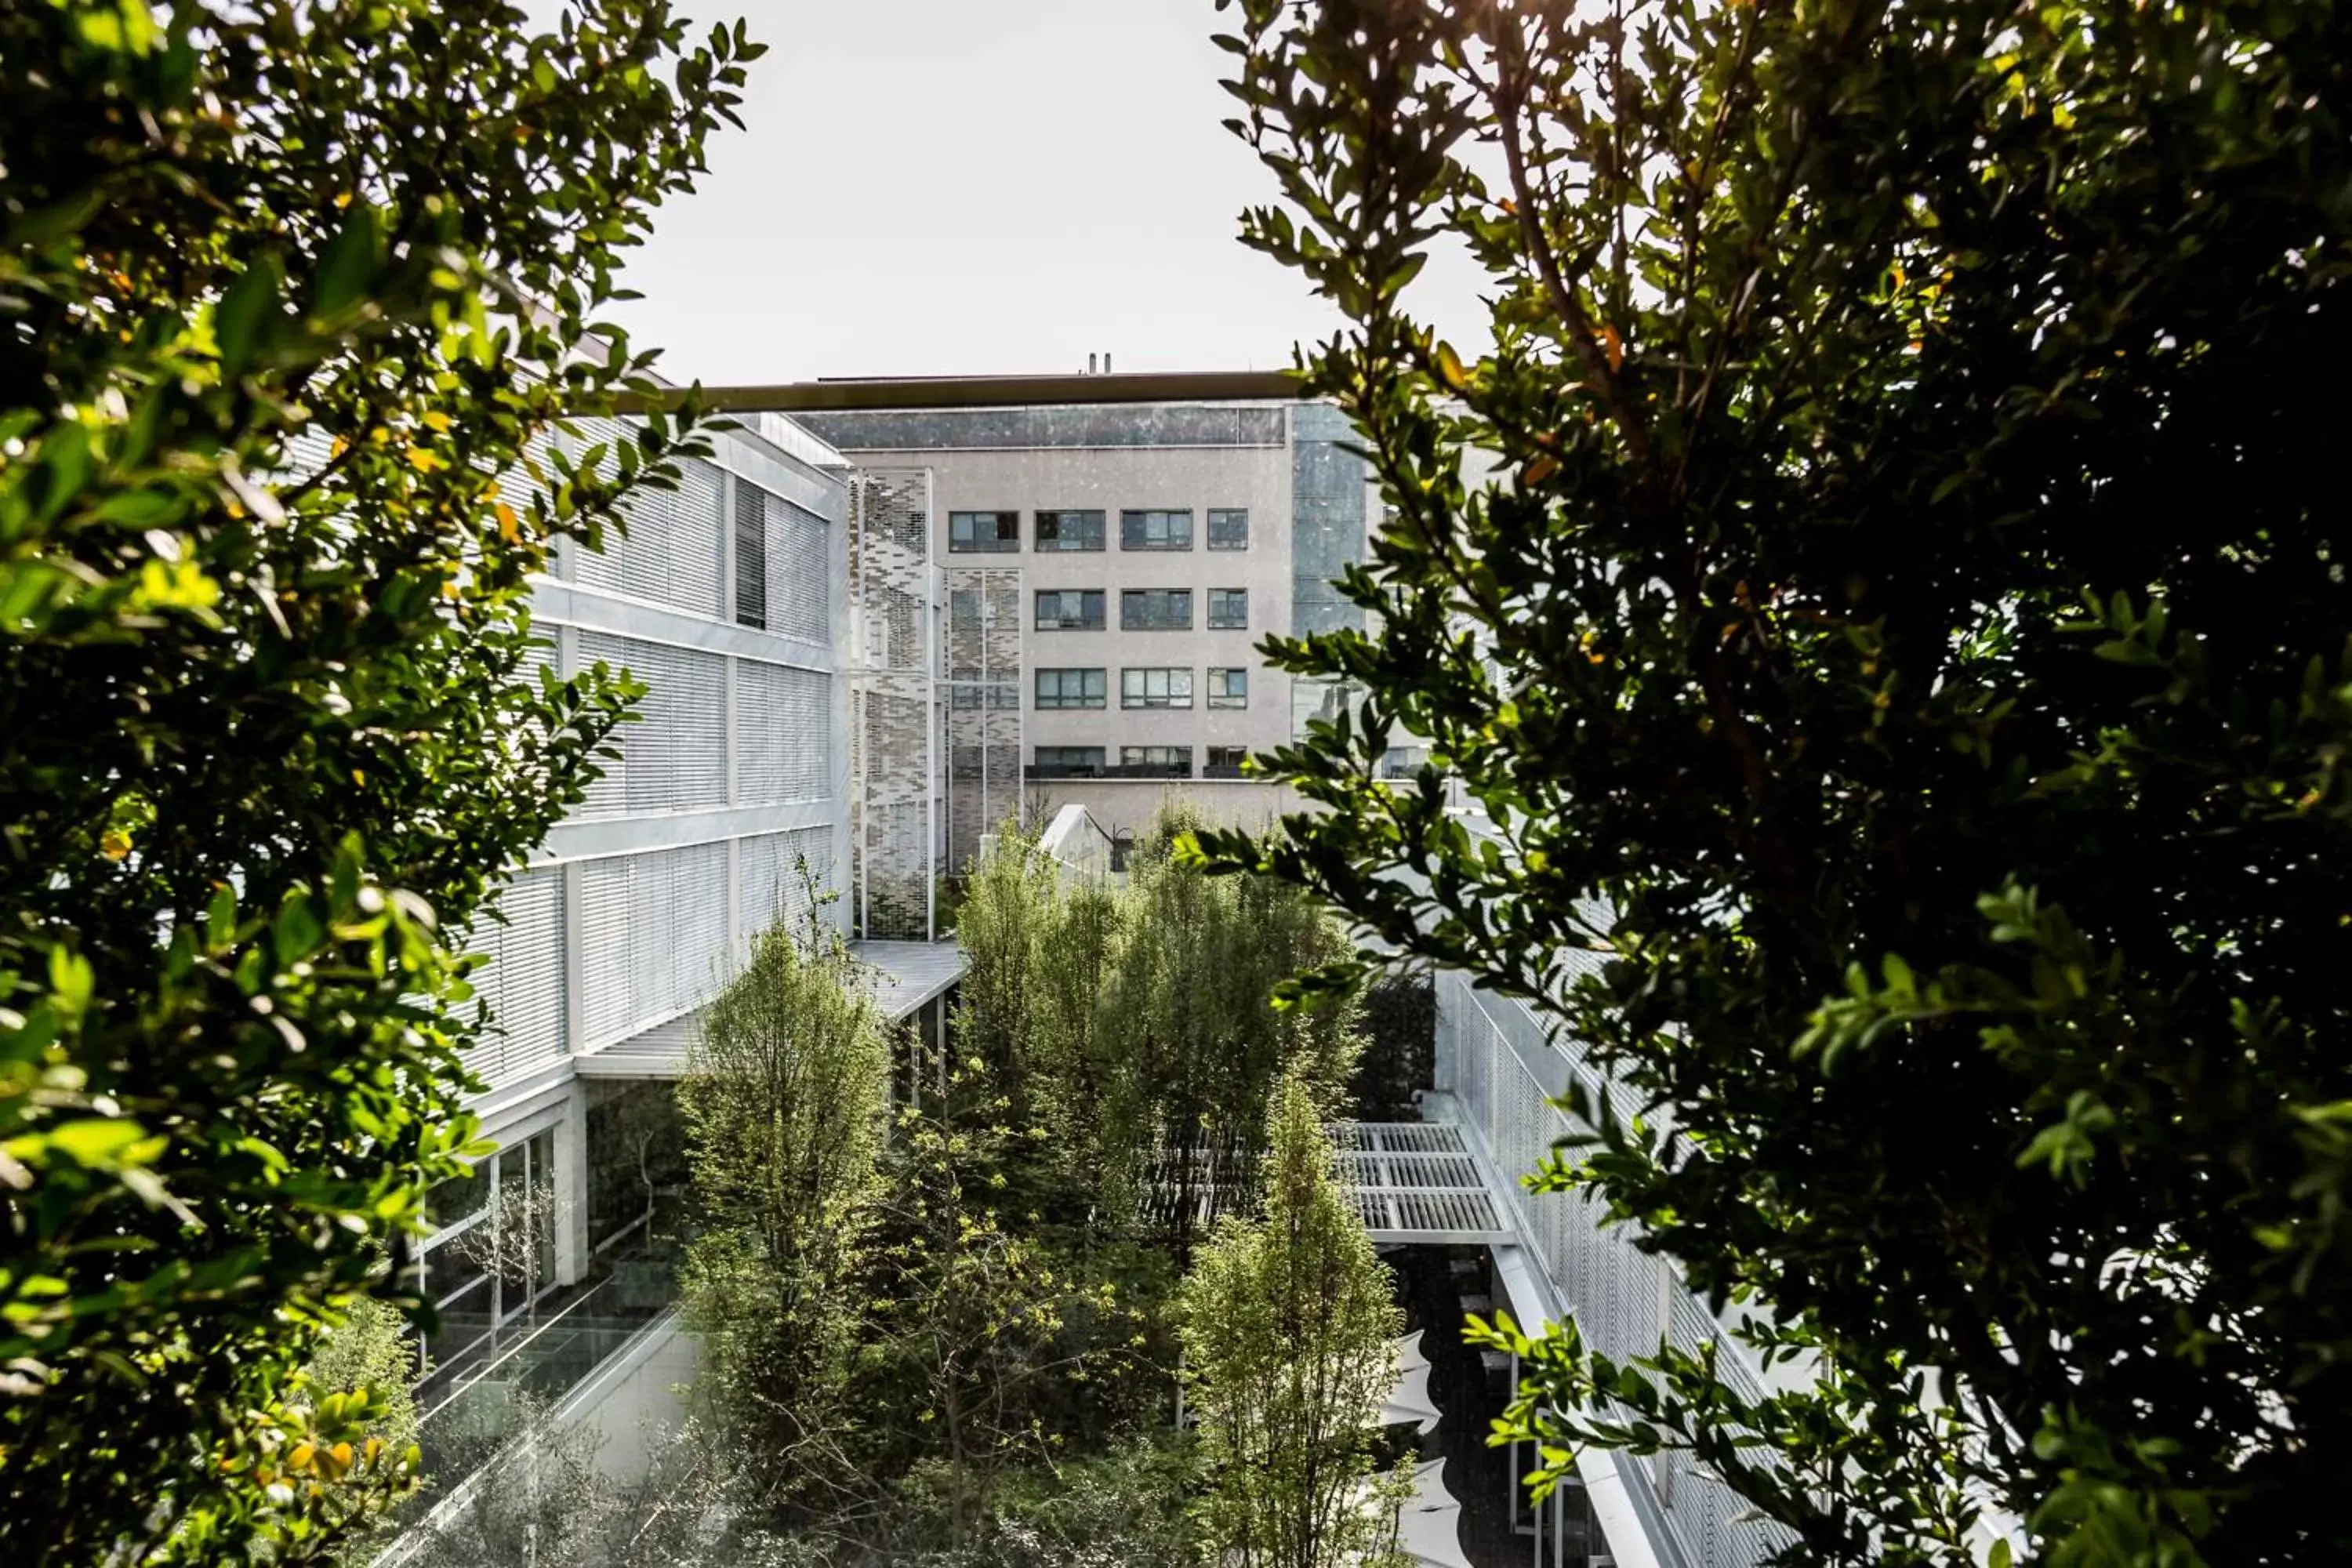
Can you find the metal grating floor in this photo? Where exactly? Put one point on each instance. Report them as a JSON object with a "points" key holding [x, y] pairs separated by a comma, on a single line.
{"points": [[1416, 1181]]}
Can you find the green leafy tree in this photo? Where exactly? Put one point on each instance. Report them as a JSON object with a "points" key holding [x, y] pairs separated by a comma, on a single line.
{"points": [[784, 1104], [290, 290], [1289, 1323], [1881, 605], [976, 1328], [1192, 1001]]}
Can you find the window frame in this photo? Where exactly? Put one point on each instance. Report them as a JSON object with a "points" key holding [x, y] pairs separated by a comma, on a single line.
{"points": [[1061, 546], [1220, 694], [1101, 623], [1002, 544], [1098, 697], [1136, 692], [1225, 513], [1140, 518], [1167, 595], [1231, 596], [1178, 758]]}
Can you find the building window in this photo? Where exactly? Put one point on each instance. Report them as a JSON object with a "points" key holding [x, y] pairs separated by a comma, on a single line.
{"points": [[1156, 762], [1069, 530], [1229, 609], [750, 555], [1155, 688], [983, 531], [1155, 530], [1228, 688], [1067, 762], [1072, 688], [1228, 528], [1224, 762], [1155, 609], [1070, 610], [965, 762]]}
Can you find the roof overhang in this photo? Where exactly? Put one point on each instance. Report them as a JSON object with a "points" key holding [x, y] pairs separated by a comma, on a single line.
{"points": [[983, 392]]}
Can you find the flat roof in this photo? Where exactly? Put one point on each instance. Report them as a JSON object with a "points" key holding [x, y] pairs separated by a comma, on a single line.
{"points": [[987, 391]]}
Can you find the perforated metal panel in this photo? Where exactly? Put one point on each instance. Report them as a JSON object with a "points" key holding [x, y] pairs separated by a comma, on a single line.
{"points": [[675, 757], [784, 733]]}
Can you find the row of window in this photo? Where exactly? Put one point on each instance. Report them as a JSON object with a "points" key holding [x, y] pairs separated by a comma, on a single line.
{"points": [[999, 532], [1149, 686], [1139, 609], [1173, 762]]}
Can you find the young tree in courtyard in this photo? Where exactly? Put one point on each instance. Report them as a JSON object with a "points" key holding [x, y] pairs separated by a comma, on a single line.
{"points": [[1289, 1324], [291, 292], [1193, 982], [1896, 671], [783, 1108]]}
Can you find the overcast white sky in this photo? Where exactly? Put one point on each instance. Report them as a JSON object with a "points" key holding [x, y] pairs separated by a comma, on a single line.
{"points": [[975, 186]]}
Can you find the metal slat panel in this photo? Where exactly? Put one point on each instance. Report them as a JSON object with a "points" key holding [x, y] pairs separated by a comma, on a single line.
{"points": [[528, 973], [784, 733], [800, 573], [605, 922], [673, 757]]}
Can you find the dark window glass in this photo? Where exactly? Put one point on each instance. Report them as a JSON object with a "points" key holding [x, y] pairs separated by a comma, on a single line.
{"points": [[1072, 688], [1154, 687], [750, 555], [1229, 609], [1068, 762], [1228, 688], [1155, 530], [1069, 530], [964, 761], [1155, 609], [1070, 609], [1225, 762], [1170, 762], [983, 531], [636, 1151], [1228, 528]]}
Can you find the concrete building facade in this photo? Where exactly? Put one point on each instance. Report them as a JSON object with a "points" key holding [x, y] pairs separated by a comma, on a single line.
{"points": [[1108, 572]]}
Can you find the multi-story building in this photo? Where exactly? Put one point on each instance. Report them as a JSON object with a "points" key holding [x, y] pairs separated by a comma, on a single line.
{"points": [[1112, 550], [726, 812]]}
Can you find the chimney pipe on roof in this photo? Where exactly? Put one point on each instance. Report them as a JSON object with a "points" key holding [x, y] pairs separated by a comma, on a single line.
{"points": [[1106, 362], [1090, 364]]}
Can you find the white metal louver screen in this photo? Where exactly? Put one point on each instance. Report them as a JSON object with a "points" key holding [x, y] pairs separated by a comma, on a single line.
{"points": [[653, 937], [784, 733], [798, 573], [525, 978], [670, 552], [674, 758], [604, 924]]}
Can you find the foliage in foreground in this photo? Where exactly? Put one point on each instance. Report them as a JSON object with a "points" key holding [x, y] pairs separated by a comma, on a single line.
{"points": [[1900, 660], [262, 740], [1289, 1324]]}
